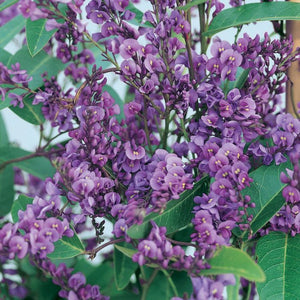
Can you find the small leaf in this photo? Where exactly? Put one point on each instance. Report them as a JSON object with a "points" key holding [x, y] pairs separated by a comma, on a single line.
{"points": [[30, 113], [228, 260], [169, 218], [37, 65], [124, 268], [7, 3], [9, 30], [278, 255], [67, 247], [266, 192], [37, 36], [117, 99], [191, 4], [4, 140], [6, 189], [37, 166], [253, 12], [20, 204]]}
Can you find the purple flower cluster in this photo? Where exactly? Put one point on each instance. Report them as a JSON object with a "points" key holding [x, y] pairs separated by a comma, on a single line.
{"points": [[34, 233], [122, 170], [159, 250], [73, 286], [15, 78]]}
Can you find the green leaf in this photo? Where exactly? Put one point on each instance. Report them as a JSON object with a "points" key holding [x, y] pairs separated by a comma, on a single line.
{"points": [[67, 247], [6, 189], [253, 12], [10, 29], [164, 285], [191, 4], [228, 260], [7, 100], [160, 288], [233, 290], [37, 36], [182, 282], [20, 204], [42, 288], [241, 77], [117, 99], [266, 192], [37, 166], [7, 3], [126, 251], [37, 65], [4, 56], [278, 255], [169, 218], [138, 14], [124, 267], [30, 113], [4, 140]]}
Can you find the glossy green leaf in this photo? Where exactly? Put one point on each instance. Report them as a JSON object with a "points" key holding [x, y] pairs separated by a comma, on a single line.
{"points": [[7, 3], [30, 113], [67, 247], [37, 65], [37, 36], [6, 189], [4, 140], [229, 260], [169, 218], [4, 56], [253, 12], [191, 4], [124, 267], [117, 99], [37, 166], [266, 192], [278, 255], [9, 30], [20, 204]]}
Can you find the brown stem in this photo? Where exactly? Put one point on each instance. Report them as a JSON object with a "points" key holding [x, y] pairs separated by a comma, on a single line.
{"points": [[29, 156], [183, 243], [92, 253]]}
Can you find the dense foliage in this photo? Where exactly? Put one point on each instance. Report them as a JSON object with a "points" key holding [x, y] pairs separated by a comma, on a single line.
{"points": [[192, 175]]}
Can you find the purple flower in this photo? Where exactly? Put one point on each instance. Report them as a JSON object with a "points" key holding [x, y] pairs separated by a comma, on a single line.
{"points": [[18, 246], [17, 100], [129, 48], [129, 67], [76, 281], [283, 139], [137, 152], [291, 194]]}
